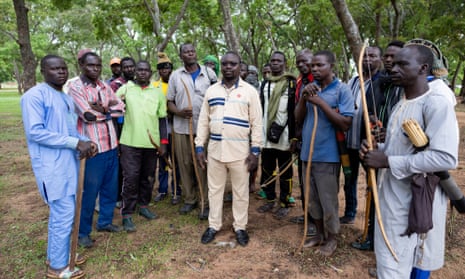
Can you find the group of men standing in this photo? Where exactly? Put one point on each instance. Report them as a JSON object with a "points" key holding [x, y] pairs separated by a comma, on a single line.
{"points": [[228, 125]]}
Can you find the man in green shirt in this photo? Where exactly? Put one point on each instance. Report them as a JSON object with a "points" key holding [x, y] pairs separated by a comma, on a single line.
{"points": [[145, 113]]}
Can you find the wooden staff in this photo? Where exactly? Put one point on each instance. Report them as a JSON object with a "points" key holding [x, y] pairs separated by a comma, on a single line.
{"points": [[173, 163], [194, 159], [307, 176], [274, 178], [371, 171], [152, 140], [77, 214], [367, 216]]}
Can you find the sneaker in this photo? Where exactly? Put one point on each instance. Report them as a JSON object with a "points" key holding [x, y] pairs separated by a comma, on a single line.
{"points": [[159, 197], [109, 228], [128, 225], [175, 200], [347, 220], [145, 212], [266, 207], [282, 213], [85, 242]]}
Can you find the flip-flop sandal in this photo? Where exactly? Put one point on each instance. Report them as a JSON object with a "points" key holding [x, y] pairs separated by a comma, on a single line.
{"points": [[314, 241], [328, 248], [65, 273]]}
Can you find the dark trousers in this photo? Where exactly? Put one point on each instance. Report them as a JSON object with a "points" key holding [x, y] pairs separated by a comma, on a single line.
{"points": [[269, 157], [163, 173], [138, 166], [350, 185]]}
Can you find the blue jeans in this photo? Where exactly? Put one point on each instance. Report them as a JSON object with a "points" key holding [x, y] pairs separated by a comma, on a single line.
{"points": [[101, 178], [350, 185]]}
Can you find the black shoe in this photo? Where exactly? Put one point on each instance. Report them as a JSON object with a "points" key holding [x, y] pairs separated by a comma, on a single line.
{"points": [[85, 242], [186, 208], [128, 225], [366, 245], [109, 228], [175, 200], [268, 206], [159, 197], [144, 211], [297, 219], [204, 215], [281, 213], [208, 236], [242, 237], [347, 220]]}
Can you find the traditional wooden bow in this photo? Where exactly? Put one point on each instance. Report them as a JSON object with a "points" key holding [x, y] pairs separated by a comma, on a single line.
{"points": [[307, 175], [371, 171], [194, 159]]}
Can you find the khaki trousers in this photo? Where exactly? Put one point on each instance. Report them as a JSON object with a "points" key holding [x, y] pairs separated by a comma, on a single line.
{"points": [[217, 174], [186, 171]]}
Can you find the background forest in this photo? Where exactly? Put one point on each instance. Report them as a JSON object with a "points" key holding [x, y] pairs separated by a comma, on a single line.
{"points": [[140, 28]]}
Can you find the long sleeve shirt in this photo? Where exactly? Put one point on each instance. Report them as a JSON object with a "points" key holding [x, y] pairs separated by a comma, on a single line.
{"points": [[101, 131], [231, 121], [50, 127]]}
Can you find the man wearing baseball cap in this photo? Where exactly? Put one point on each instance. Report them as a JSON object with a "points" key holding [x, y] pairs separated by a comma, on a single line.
{"points": [[115, 69]]}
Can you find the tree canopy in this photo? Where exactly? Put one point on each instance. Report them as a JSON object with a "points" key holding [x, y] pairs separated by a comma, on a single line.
{"points": [[140, 28]]}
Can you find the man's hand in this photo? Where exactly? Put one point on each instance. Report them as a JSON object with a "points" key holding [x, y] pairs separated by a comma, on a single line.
{"points": [[373, 158], [185, 113], [201, 159], [252, 162], [293, 146], [86, 149], [98, 107]]}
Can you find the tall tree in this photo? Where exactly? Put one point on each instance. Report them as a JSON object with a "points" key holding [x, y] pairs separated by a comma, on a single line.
{"points": [[28, 60], [232, 40], [350, 27]]}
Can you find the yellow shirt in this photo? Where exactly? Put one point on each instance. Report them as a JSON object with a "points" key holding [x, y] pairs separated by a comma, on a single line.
{"points": [[164, 86]]}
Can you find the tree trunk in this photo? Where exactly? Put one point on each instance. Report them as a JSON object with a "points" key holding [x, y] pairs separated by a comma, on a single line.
{"points": [[462, 90], [454, 77], [349, 26], [17, 76], [229, 33], [169, 34], [28, 60]]}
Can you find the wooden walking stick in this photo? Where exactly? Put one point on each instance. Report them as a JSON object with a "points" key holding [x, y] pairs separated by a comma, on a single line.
{"points": [[152, 140], [367, 216], [371, 171], [194, 159], [307, 176], [77, 214], [173, 163]]}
